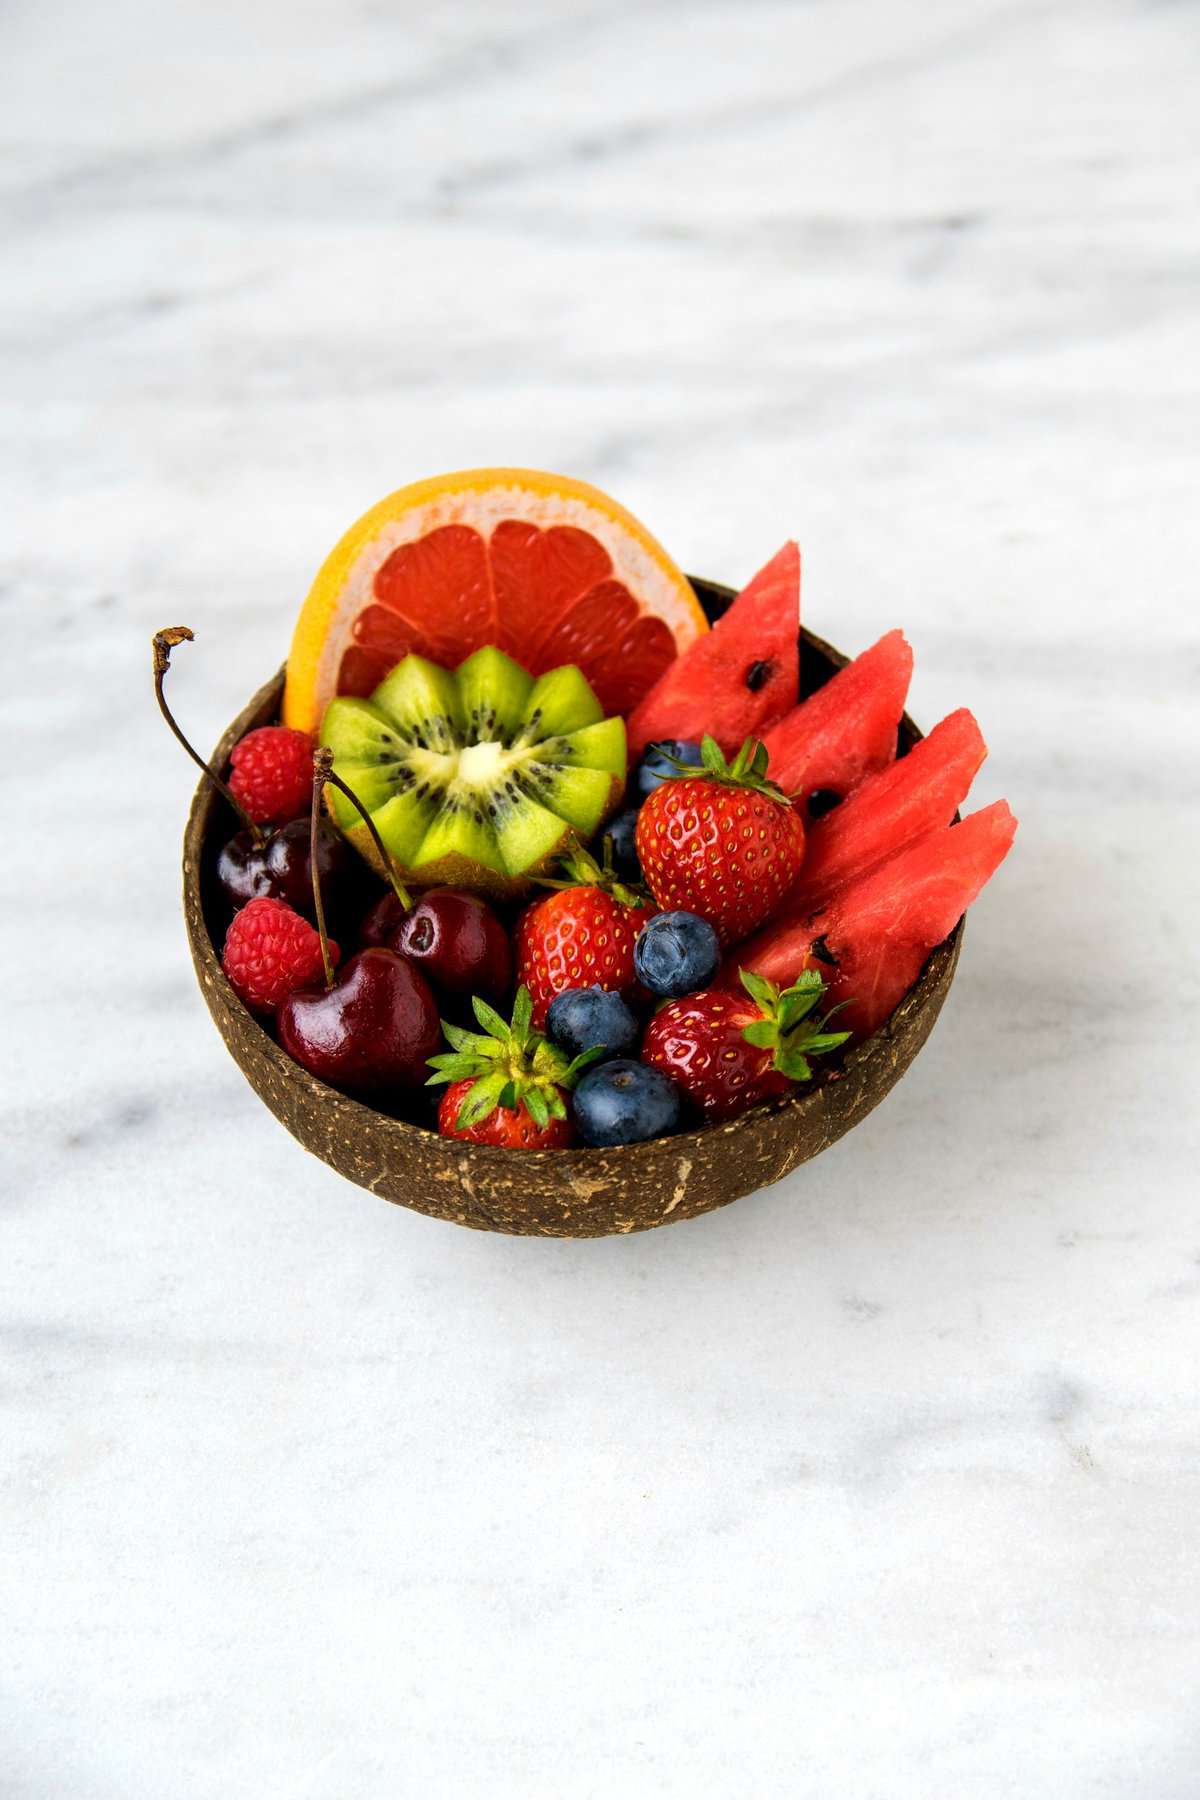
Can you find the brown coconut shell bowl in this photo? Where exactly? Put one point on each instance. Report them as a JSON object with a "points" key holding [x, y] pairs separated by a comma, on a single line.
{"points": [[548, 1193]]}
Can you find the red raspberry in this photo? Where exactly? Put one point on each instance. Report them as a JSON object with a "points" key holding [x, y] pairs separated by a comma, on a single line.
{"points": [[270, 951], [272, 773]]}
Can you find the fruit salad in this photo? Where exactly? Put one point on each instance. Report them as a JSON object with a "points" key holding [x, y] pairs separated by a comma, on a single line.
{"points": [[536, 857]]}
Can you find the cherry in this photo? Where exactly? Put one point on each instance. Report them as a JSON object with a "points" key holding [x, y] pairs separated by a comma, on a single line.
{"points": [[240, 869], [255, 864], [375, 1025], [457, 941], [281, 867], [381, 922]]}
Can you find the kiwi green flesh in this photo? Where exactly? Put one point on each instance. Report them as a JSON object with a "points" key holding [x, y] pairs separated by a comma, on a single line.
{"points": [[561, 702], [422, 701], [443, 797], [493, 694]]}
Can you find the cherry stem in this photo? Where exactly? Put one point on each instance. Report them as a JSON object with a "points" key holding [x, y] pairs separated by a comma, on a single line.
{"points": [[385, 856], [162, 643], [321, 771]]}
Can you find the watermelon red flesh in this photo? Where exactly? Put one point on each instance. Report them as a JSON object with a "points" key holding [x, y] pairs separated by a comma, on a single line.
{"points": [[739, 677], [915, 795], [847, 729], [880, 930]]}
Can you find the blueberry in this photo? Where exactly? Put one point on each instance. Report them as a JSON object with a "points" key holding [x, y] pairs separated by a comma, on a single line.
{"points": [[676, 953], [624, 1103], [621, 830], [654, 767], [583, 1017]]}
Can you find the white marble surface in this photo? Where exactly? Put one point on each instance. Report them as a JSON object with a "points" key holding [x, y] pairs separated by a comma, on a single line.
{"points": [[884, 1483]]}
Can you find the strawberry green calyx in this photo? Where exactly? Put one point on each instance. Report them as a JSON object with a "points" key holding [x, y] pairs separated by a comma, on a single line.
{"points": [[509, 1064], [786, 1027], [580, 869], [747, 770]]}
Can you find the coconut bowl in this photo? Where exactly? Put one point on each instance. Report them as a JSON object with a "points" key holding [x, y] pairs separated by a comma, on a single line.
{"points": [[547, 1193]]}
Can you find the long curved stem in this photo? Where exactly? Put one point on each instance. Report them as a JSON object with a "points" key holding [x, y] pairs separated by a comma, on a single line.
{"points": [[162, 644], [321, 762], [385, 856]]}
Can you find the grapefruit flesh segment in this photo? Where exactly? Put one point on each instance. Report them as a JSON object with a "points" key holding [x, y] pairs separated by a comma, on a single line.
{"points": [[888, 810], [880, 930], [441, 585], [541, 596], [847, 729], [738, 679], [538, 574], [544, 567], [623, 651]]}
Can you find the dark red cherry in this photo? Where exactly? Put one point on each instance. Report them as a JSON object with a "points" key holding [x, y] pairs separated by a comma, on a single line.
{"points": [[281, 868], [382, 921], [240, 870], [374, 1029], [456, 939], [287, 865]]}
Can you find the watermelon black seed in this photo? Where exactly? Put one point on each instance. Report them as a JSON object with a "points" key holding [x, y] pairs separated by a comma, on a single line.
{"points": [[822, 801], [758, 675]]}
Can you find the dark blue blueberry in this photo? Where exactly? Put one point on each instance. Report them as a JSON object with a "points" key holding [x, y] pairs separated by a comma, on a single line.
{"points": [[584, 1017], [676, 953], [621, 830], [654, 767], [625, 1103]]}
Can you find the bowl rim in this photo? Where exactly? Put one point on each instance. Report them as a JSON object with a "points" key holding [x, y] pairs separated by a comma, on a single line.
{"points": [[938, 968]]}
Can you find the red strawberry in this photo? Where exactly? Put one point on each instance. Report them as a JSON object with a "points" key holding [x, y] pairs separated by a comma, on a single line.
{"points": [[272, 773], [270, 951], [513, 1128], [580, 936], [722, 841], [730, 1050], [508, 1085]]}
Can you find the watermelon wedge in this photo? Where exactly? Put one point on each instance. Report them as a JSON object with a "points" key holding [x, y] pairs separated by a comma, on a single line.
{"points": [[738, 678], [847, 729], [915, 795], [878, 932]]}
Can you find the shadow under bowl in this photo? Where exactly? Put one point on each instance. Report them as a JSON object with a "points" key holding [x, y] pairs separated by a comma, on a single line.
{"points": [[547, 1193]]}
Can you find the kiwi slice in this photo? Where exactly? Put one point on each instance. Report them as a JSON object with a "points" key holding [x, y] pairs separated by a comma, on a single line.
{"points": [[478, 776]]}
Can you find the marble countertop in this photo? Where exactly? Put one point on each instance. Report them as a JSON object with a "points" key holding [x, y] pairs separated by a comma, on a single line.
{"points": [[885, 1482]]}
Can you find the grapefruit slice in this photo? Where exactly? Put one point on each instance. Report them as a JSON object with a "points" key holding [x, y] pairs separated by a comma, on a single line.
{"points": [[847, 729], [548, 569], [738, 679]]}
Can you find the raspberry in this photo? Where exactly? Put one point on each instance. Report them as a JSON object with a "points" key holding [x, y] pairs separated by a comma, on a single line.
{"points": [[272, 773], [269, 952]]}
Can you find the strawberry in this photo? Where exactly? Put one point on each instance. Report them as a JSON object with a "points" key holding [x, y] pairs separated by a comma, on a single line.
{"points": [[271, 773], [728, 1050], [512, 1128], [507, 1084], [582, 935], [270, 951], [721, 841]]}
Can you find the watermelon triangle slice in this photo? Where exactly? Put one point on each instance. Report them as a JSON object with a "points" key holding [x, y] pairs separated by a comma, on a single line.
{"points": [[738, 678], [915, 795], [847, 729], [879, 931]]}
